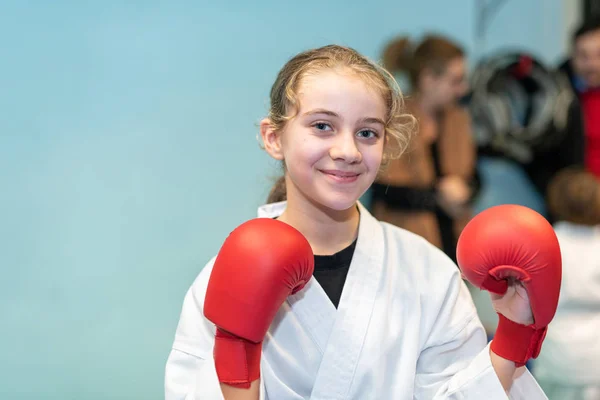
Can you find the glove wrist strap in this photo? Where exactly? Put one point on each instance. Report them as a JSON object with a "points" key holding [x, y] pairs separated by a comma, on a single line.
{"points": [[237, 361], [517, 342]]}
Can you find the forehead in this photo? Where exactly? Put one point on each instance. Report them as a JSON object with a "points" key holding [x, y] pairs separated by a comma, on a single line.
{"points": [[456, 66], [588, 40], [340, 89]]}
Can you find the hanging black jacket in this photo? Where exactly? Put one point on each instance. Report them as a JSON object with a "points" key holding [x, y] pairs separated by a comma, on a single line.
{"points": [[570, 150]]}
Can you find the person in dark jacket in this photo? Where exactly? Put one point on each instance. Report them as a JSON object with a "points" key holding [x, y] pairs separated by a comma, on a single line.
{"points": [[580, 145]]}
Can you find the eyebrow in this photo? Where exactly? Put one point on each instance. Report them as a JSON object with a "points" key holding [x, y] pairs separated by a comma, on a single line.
{"points": [[368, 120]]}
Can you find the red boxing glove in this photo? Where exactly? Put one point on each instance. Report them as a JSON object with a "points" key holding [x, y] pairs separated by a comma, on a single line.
{"points": [[260, 264], [511, 241]]}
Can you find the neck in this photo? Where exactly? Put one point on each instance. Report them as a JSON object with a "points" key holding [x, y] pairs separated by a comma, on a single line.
{"points": [[328, 231]]}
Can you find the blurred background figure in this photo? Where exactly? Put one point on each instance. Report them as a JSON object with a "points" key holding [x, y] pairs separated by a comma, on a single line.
{"points": [[567, 367], [429, 190], [583, 72]]}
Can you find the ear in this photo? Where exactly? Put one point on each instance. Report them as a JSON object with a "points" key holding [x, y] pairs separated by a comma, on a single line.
{"points": [[271, 139]]}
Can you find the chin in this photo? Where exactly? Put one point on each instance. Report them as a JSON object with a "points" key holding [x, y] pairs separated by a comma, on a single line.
{"points": [[594, 82], [340, 202]]}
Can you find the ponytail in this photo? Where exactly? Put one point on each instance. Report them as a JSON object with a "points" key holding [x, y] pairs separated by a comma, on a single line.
{"points": [[278, 192], [397, 56]]}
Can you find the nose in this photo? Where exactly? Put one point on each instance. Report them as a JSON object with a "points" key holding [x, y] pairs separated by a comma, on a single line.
{"points": [[344, 148]]}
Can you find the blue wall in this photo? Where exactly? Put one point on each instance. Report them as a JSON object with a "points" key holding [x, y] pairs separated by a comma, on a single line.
{"points": [[128, 151]]}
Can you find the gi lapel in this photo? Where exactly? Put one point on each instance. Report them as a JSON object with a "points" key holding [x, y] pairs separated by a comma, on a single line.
{"points": [[345, 343], [315, 312]]}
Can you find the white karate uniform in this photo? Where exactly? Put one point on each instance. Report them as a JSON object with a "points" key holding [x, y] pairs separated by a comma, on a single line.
{"points": [[569, 364], [405, 328]]}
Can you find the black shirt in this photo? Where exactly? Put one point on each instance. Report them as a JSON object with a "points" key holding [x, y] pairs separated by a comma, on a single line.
{"points": [[331, 272], [445, 221]]}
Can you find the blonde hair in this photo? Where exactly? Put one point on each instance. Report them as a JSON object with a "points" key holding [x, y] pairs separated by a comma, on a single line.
{"points": [[434, 52], [399, 125], [574, 196]]}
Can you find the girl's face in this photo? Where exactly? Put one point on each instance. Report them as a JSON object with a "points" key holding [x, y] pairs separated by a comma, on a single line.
{"points": [[333, 146], [447, 88]]}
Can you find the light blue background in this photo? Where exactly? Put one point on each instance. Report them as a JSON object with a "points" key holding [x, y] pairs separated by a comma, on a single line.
{"points": [[128, 151]]}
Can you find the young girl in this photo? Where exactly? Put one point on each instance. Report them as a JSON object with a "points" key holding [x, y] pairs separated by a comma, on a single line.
{"points": [[386, 316]]}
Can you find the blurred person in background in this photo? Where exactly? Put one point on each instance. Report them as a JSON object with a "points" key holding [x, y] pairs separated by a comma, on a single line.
{"points": [[581, 145], [567, 368], [429, 191]]}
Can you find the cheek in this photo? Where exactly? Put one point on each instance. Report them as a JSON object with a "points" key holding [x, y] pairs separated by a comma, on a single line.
{"points": [[579, 66], [373, 156], [304, 153], [443, 92], [449, 90]]}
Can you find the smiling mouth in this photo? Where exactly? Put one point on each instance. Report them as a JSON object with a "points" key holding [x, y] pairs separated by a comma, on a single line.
{"points": [[341, 176]]}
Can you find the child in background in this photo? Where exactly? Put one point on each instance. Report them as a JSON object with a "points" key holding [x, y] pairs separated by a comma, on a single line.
{"points": [[569, 364]]}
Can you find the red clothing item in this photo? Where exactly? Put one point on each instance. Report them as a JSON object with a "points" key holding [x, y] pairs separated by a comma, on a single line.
{"points": [[590, 102]]}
